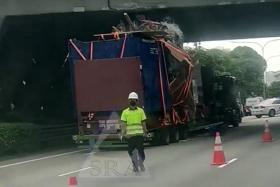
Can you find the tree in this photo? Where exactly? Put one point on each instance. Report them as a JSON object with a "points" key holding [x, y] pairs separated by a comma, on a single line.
{"points": [[274, 89], [215, 58], [243, 62], [248, 66]]}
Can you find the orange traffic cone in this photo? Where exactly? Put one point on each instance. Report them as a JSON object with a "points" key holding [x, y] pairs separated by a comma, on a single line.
{"points": [[72, 181], [218, 155], [266, 137]]}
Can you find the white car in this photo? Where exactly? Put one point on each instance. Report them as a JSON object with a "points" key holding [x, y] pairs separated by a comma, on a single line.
{"points": [[250, 102], [270, 107]]}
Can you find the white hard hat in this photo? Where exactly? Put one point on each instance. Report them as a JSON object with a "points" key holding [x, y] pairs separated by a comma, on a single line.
{"points": [[133, 95]]}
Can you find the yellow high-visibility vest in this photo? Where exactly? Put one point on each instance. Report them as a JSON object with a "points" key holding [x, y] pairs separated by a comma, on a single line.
{"points": [[133, 120]]}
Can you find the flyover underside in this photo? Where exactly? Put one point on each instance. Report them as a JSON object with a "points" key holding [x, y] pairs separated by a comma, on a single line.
{"points": [[197, 23], [225, 22], [19, 7]]}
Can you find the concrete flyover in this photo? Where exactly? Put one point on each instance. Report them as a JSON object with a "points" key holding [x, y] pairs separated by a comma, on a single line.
{"points": [[199, 19], [18, 7]]}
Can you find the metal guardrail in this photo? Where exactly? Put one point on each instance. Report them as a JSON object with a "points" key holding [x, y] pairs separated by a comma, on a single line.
{"points": [[57, 133]]}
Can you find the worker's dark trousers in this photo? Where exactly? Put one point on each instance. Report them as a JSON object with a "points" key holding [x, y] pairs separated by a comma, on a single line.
{"points": [[136, 142]]}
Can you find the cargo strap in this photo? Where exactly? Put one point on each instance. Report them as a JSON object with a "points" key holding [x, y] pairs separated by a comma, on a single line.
{"points": [[77, 50], [161, 85], [123, 45], [91, 51]]}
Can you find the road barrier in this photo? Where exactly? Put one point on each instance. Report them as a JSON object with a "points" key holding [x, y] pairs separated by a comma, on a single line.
{"points": [[57, 134]]}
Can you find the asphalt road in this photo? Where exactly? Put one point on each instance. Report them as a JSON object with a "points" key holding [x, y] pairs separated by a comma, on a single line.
{"points": [[187, 163]]}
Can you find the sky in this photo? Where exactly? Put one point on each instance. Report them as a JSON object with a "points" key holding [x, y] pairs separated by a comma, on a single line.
{"points": [[271, 49]]}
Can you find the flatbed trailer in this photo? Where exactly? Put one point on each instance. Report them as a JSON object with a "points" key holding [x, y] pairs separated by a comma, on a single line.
{"points": [[173, 91]]}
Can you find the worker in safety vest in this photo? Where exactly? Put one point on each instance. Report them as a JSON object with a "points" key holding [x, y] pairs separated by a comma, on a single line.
{"points": [[134, 129]]}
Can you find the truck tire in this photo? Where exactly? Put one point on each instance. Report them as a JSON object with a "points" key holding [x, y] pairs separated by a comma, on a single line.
{"points": [[164, 137], [235, 124], [240, 118], [271, 113], [224, 127], [174, 135], [184, 132], [220, 128], [258, 116], [156, 141]]}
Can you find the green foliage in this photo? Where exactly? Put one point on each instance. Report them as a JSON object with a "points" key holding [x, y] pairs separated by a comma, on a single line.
{"points": [[249, 67], [243, 62], [274, 89], [18, 137], [214, 58]]}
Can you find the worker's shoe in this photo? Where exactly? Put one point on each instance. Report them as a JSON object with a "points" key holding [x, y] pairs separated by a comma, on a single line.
{"points": [[135, 170], [142, 167], [135, 167]]}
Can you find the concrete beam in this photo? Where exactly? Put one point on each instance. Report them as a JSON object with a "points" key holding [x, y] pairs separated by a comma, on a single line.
{"points": [[197, 23], [27, 7]]}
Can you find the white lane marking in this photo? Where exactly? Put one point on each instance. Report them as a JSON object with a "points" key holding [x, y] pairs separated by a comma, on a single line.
{"points": [[76, 171], [275, 139], [38, 159], [186, 140], [229, 162]]}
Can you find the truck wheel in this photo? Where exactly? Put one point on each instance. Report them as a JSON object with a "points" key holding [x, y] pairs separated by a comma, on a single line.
{"points": [[224, 128], [184, 133], [164, 137], [220, 128], [240, 118], [271, 113], [156, 139], [258, 116], [174, 135], [235, 124]]}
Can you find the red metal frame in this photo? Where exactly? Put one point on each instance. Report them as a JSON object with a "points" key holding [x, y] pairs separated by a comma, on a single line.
{"points": [[91, 51], [123, 46], [77, 50], [161, 85]]}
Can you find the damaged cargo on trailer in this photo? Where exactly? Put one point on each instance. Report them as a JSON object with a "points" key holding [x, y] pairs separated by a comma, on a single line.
{"points": [[172, 89]]}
